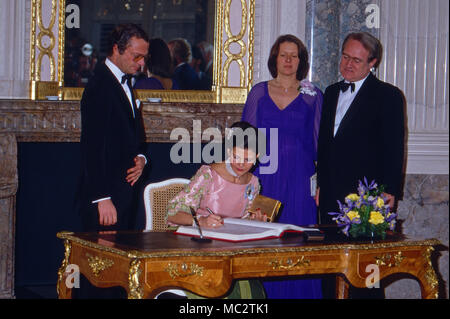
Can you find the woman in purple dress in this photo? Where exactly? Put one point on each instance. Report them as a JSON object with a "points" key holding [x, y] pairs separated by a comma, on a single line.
{"points": [[288, 108]]}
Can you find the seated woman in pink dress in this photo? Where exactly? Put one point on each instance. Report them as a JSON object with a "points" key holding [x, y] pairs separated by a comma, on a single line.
{"points": [[227, 189]]}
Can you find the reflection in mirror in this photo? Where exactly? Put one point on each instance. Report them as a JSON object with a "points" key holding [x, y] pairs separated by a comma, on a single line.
{"points": [[192, 20]]}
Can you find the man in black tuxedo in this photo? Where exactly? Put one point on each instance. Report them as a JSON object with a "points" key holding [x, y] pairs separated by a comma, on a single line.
{"points": [[112, 136], [361, 130]]}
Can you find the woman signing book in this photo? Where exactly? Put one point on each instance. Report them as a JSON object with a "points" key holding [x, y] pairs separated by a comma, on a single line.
{"points": [[220, 190]]}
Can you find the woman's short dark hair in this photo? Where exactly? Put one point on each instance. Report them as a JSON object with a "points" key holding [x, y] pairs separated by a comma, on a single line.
{"points": [[242, 135], [370, 43], [303, 66], [159, 61], [122, 34]]}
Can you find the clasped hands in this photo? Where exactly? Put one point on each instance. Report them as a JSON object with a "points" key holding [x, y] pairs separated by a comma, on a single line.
{"points": [[106, 210]]}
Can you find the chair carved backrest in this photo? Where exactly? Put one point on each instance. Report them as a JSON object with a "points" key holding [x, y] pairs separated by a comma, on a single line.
{"points": [[156, 199]]}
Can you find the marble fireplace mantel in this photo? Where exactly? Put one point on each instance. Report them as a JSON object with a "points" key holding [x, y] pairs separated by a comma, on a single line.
{"points": [[59, 121]]}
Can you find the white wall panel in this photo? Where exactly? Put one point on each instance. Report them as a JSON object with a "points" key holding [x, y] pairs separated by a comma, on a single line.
{"points": [[415, 36]]}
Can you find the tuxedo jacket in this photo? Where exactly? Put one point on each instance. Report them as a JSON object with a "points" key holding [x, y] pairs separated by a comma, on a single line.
{"points": [[110, 139], [368, 143], [186, 77]]}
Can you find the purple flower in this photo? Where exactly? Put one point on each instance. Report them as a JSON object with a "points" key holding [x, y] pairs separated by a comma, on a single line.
{"points": [[390, 217]]}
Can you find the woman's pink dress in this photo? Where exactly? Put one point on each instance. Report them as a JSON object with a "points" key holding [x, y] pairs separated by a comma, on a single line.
{"points": [[208, 189]]}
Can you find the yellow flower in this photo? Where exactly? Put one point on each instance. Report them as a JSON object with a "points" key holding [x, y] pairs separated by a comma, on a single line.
{"points": [[352, 215], [353, 197], [380, 202], [376, 218]]}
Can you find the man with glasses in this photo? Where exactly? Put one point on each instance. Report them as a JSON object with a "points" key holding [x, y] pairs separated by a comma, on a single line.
{"points": [[361, 131], [113, 136]]}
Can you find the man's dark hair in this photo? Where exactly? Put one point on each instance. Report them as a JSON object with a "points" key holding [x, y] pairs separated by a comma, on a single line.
{"points": [[303, 66], [370, 43], [122, 34]]}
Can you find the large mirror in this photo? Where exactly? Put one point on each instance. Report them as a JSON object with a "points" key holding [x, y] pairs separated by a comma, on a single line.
{"points": [[225, 24], [191, 20]]}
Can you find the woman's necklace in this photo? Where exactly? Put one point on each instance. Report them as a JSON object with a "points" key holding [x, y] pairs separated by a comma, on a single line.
{"points": [[230, 169], [286, 89]]}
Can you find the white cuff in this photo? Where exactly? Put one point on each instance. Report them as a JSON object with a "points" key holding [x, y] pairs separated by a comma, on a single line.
{"points": [[145, 158], [100, 200]]}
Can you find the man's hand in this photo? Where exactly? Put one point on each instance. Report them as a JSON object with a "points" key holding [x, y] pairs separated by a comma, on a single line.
{"points": [[316, 198], [107, 213], [135, 172], [390, 200]]}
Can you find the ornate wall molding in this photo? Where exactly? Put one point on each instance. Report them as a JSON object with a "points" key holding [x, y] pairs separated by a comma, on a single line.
{"points": [[15, 49]]}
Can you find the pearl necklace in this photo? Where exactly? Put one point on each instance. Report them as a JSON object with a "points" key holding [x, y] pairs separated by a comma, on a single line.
{"points": [[230, 169]]}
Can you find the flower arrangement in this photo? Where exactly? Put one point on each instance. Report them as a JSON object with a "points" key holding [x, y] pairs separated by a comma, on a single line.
{"points": [[366, 213]]}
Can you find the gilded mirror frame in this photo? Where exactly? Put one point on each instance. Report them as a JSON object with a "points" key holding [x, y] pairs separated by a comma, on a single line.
{"points": [[46, 40]]}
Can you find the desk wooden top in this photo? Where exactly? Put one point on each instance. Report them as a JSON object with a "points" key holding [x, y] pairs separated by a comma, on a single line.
{"points": [[139, 244]]}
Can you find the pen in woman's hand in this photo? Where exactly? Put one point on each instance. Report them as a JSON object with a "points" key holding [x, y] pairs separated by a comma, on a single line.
{"points": [[216, 218]]}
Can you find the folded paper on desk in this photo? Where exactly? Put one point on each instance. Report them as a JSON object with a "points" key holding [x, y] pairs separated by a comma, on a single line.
{"points": [[235, 229]]}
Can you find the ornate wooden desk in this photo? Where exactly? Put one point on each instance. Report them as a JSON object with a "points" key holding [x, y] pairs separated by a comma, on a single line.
{"points": [[145, 263]]}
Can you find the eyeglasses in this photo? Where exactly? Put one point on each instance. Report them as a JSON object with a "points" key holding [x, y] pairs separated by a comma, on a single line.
{"points": [[138, 57]]}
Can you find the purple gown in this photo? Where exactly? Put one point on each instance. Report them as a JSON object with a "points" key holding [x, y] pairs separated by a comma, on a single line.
{"points": [[298, 126]]}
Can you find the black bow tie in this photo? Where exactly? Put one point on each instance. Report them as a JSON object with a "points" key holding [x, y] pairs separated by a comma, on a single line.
{"points": [[126, 78], [344, 86]]}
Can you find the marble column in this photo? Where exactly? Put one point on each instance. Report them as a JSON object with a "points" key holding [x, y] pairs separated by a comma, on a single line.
{"points": [[327, 24], [322, 40], [8, 189]]}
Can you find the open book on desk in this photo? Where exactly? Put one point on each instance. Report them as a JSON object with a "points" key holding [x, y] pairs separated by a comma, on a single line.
{"points": [[236, 229]]}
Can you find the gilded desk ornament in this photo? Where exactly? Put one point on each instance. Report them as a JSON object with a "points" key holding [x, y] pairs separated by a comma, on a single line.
{"points": [[386, 259], [186, 270], [64, 264], [430, 274], [134, 286], [98, 264], [301, 262]]}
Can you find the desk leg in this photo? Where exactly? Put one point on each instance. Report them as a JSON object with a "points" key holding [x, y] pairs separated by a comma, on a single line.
{"points": [[341, 288], [135, 290], [429, 284], [64, 292]]}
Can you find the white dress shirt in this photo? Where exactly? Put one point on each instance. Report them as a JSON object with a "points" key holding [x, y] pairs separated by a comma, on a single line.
{"points": [[345, 100], [118, 74]]}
